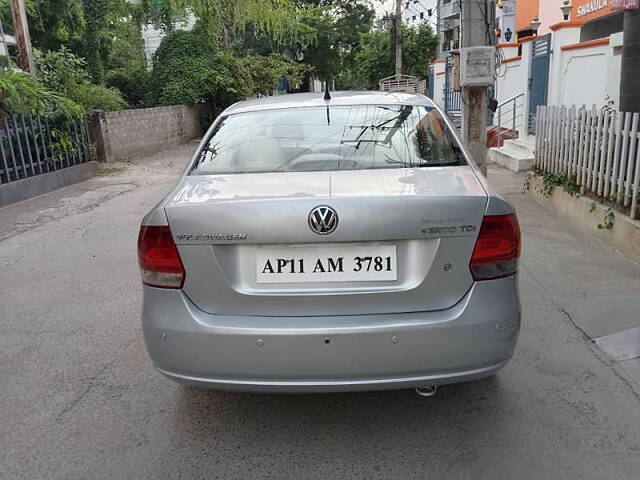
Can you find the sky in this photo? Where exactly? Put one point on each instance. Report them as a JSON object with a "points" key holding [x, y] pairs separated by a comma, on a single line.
{"points": [[383, 6]]}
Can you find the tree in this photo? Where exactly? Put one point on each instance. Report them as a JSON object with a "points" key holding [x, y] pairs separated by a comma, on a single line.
{"points": [[187, 69], [267, 70], [66, 73], [96, 39], [419, 50], [374, 58], [339, 25], [280, 20], [127, 64], [54, 23], [97, 30]]}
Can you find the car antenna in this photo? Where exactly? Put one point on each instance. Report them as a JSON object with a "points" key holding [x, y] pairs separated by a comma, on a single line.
{"points": [[327, 95]]}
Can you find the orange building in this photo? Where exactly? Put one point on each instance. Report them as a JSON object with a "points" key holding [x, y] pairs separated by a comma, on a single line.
{"points": [[596, 16], [526, 10]]}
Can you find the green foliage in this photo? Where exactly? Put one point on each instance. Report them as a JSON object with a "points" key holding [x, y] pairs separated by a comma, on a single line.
{"points": [[549, 182], [616, 197], [187, 69], [552, 180], [105, 33], [266, 70], [373, 61], [6, 17], [64, 72], [339, 25], [279, 20], [62, 145], [127, 65], [54, 23], [526, 186], [96, 97], [127, 45], [95, 37], [608, 221], [190, 69], [132, 83], [374, 58], [419, 49], [22, 93], [61, 69]]}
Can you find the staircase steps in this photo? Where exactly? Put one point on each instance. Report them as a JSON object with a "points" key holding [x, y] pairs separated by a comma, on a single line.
{"points": [[516, 154]]}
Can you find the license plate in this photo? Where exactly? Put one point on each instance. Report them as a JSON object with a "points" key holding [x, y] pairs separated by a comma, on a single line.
{"points": [[326, 263]]}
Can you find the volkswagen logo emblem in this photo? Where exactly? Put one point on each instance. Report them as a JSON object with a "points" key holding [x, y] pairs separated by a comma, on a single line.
{"points": [[323, 220]]}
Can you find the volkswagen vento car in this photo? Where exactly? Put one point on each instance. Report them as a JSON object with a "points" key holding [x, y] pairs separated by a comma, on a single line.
{"points": [[317, 245]]}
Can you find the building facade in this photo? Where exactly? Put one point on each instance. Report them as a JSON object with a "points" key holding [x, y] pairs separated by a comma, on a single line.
{"points": [[596, 17], [449, 23], [506, 20], [416, 12], [572, 62]]}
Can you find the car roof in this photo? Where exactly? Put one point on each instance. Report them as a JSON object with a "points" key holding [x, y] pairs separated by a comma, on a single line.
{"points": [[295, 100]]}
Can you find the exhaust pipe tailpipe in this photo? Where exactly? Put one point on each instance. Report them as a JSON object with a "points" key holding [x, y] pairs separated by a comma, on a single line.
{"points": [[427, 390]]}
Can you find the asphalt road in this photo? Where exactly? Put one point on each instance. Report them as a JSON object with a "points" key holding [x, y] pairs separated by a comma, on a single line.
{"points": [[80, 399]]}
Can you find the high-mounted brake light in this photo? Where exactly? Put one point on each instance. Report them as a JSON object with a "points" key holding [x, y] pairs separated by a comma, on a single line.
{"points": [[497, 248], [160, 264]]}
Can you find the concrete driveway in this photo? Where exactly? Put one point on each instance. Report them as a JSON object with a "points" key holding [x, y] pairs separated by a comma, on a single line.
{"points": [[80, 399]]}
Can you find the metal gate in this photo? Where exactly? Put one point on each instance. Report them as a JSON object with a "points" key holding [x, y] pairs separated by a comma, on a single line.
{"points": [[452, 102], [539, 78]]}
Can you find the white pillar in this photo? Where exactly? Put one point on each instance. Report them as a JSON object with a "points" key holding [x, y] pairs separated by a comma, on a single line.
{"points": [[526, 66], [565, 33]]}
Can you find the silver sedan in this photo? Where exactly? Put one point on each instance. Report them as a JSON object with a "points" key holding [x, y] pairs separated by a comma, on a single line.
{"points": [[339, 244]]}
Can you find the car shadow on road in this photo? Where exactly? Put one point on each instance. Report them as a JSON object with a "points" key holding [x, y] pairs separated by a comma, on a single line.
{"points": [[473, 402]]}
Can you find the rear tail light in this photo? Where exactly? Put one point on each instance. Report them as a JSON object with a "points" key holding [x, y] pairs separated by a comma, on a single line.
{"points": [[160, 264], [497, 248]]}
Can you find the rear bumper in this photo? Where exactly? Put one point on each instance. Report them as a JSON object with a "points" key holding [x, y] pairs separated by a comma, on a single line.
{"points": [[471, 340]]}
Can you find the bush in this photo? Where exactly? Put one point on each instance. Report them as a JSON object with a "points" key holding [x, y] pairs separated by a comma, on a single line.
{"points": [[375, 57], [189, 69], [60, 69], [266, 70], [65, 72], [96, 97], [132, 83], [22, 93]]}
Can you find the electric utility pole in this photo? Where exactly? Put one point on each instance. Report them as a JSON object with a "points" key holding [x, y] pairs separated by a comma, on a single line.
{"points": [[630, 73], [474, 20], [23, 39], [397, 37]]}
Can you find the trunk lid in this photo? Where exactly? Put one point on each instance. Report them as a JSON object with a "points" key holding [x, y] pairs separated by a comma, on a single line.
{"points": [[222, 223]]}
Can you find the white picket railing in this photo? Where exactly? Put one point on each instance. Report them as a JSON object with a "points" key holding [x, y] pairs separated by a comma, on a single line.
{"points": [[600, 149]]}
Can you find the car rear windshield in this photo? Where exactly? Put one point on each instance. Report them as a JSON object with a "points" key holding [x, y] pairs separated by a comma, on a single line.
{"points": [[328, 139]]}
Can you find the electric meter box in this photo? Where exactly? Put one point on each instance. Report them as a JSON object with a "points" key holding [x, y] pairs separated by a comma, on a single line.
{"points": [[477, 66]]}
